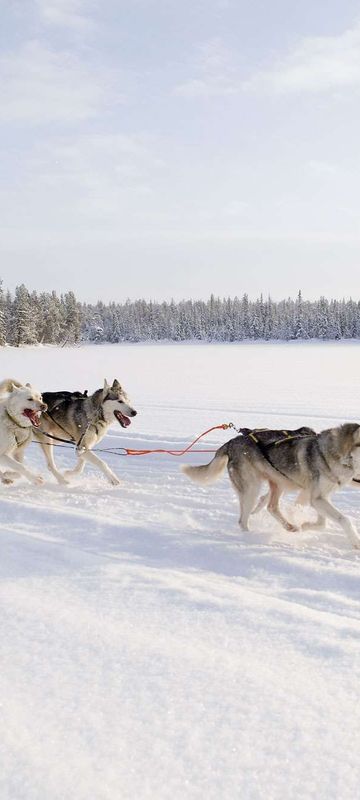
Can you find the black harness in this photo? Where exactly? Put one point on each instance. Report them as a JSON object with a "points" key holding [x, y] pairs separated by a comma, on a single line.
{"points": [[264, 446], [288, 436], [60, 400]]}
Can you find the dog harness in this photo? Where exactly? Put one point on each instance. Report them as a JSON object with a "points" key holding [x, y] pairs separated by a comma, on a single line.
{"points": [[20, 436], [15, 421], [264, 446]]}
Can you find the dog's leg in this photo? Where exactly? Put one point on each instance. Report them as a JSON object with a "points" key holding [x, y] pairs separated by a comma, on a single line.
{"points": [[19, 453], [10, 476], [274, 510], [79, 466], [262, 502], [247, 499], [326, 509], [48, 451], [302, 499], [87, 455], [247, 488], [15, 466]]}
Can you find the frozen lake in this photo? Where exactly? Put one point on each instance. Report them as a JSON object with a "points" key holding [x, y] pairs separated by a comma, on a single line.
{"points": [[151, 650]]}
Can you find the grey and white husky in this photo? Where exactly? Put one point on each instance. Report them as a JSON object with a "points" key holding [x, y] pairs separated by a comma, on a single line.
{"points": [[83, 420], [315, 464]]}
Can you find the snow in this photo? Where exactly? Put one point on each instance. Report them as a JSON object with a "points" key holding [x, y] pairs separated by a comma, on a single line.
{"points": [[149, 649]]}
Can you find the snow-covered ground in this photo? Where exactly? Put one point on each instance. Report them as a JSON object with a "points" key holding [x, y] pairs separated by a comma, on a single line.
{"points": [[149, 650]]}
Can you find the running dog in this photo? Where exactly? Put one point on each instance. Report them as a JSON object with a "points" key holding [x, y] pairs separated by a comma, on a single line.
{"points": [[20, 409], [315, 464], [83, 420]]}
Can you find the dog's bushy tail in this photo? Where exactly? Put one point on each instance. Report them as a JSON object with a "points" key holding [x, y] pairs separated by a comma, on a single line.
{"points": [[7, 385], [207, 473]]}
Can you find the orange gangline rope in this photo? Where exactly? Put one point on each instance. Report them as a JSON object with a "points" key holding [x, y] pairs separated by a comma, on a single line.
{"points": [[224, 427]]}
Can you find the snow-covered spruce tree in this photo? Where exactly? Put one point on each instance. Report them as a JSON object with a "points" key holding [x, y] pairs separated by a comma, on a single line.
{"points": [[116, 331], [73, 318], [351, 328], [23, 318], [51, 323], [357, 319], [245, 314], [344, 320], [9, 317], [2, 317], [199, 317], [269, 319], [300, 325], [256, 320], [36, 314], [93, 327], [334, 320], [322, 319], [237, 320]]}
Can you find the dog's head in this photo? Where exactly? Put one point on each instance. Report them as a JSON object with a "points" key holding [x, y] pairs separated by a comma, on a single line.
{"points": [[115, 403], [25, 405]]}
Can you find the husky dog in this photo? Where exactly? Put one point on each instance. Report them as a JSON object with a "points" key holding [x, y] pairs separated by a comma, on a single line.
{"points": [[20, 409], [83, 420], [315, 464]]}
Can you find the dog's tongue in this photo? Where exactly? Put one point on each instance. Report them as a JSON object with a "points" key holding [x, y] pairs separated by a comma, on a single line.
{"points": [[124, 421], [33, 416]]}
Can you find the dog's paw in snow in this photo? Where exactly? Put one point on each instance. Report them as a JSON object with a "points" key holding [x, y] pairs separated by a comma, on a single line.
{"points": [[37, 480], [291, 528], [9, 477], [114, 480], [63, 480]]}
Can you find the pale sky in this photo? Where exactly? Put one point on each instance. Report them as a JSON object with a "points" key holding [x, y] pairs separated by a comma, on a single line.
{"points": [[164, 148]]}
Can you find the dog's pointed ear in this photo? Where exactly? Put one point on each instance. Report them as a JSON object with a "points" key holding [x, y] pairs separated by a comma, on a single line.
{"points": [[106, 389], [116, 384]]}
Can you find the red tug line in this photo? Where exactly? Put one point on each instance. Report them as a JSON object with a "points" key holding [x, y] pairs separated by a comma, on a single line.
{"points": [[131, 452]]}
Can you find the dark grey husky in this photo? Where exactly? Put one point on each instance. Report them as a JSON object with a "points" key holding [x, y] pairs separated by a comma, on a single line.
{"points": [[315, 464], [84, 420]]}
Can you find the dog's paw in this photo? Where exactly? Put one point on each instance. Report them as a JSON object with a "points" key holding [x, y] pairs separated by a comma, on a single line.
{"points": [[307, 526], [114, 480], [37, 480], [9, 477], [67, 476], [63, 480], [355, 540], [291, 528]]}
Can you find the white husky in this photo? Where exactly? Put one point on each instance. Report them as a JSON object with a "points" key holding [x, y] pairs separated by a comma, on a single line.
{"points": [[20, 409]]}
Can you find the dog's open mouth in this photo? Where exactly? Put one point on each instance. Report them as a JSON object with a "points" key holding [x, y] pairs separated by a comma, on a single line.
{"points": [[33, 416], [124, 421]]}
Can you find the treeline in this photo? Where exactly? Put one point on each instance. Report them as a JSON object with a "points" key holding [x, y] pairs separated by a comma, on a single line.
{"points": [[31, 318]]}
